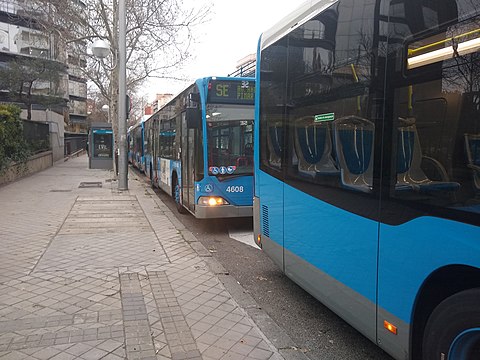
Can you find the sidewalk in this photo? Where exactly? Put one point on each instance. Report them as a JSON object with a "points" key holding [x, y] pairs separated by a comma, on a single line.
{"points": [[88, 272]]}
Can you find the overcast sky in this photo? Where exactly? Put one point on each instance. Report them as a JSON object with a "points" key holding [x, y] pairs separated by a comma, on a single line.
{"points": [[232, 34]]}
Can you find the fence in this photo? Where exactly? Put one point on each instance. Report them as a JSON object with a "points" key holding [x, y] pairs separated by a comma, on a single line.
{"points": [[37, 136], [245, 70], [75, 142]]}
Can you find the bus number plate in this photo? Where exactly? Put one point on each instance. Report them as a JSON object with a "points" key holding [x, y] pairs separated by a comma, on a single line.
{"points": [[234, 189]]}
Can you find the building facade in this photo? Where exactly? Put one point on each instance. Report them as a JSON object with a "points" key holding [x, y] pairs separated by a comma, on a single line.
{"points": [[60, 99]]}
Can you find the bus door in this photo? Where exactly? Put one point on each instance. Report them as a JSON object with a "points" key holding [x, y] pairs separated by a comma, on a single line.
{"points": [[188, 164]]}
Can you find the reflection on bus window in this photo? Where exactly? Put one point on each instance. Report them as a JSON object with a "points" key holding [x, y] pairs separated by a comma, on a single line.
{"points": [[436, 114]]}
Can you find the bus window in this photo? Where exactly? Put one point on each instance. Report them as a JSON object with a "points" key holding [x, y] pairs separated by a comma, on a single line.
{"points": [[272, 102], [230, 139], [436, 112], [330, 125]]}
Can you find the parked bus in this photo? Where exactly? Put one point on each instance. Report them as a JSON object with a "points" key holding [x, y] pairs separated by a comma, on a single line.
{"points": [[136, 146], [199, 147], [367, 166]]}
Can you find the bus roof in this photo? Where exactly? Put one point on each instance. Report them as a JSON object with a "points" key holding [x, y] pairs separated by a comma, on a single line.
{"points": [[296, 18]]}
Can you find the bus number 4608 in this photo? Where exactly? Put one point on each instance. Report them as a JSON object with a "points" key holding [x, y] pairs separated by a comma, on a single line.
{"points": [[234, 189]]}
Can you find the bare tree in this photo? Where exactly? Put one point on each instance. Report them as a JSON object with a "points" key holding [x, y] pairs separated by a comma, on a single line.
{"points": [[34, 81], [158, 37]]}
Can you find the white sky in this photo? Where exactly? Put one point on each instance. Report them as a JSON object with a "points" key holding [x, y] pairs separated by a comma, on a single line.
{"points": [[232, 34]]}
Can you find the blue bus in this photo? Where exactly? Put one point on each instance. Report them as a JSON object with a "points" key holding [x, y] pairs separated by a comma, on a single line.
{"points": [[136, 146], [199, 147], [367, 166]]}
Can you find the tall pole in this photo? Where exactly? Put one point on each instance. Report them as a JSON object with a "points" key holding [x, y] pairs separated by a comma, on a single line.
{"points": [[122, 97]]}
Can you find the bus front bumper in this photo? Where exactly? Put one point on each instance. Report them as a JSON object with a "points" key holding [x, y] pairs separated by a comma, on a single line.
{"points": [[222, 211]]}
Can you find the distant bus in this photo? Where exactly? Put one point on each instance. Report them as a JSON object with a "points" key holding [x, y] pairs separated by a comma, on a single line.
{"points": [[136, 146], [367, 166], [199, 147]]}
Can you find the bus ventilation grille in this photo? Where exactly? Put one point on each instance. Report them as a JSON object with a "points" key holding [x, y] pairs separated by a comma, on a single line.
{"points": [[265, 226]]}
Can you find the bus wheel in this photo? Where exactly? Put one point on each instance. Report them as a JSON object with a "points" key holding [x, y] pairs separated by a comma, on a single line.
{"points": [[453, 329], [176, 196]]}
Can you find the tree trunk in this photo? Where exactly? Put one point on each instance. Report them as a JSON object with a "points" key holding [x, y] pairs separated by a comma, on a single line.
{"points": [[29, 102], [114, 115]]}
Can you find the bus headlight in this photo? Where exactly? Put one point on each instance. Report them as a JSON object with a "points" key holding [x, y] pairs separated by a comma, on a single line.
{"points": [[212, 201]]}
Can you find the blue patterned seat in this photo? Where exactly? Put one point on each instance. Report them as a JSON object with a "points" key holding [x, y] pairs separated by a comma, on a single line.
{"points": [[410, 175], [313, 145], [354, 148]]}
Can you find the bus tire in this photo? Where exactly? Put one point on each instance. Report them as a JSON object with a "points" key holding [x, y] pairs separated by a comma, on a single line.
{"points": [[176, 197], [454, 326]]}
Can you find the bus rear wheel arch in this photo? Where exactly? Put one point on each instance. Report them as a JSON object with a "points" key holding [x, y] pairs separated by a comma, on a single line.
{"points": [[439, 286], [453, 329]]}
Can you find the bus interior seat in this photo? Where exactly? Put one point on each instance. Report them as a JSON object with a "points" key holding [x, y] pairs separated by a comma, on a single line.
{"points": [[313, 144], [247, 158], [354, 149], [472, 147], [242, 161], [410, 175], [275, 144]]}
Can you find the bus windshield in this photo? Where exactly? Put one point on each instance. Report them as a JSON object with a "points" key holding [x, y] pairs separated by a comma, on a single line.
{"points": [[230, 139]]}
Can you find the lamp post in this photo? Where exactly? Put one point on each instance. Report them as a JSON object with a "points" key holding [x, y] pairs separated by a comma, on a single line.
{"points": [[101, 49], [122, 97]]}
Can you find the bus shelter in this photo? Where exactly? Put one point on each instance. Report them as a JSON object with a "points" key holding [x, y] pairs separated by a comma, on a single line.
{"points": [[100, 146]]}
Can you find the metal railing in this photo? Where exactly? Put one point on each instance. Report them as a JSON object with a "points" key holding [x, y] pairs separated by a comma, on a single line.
{"points": [[247, 70], [75, 143]]}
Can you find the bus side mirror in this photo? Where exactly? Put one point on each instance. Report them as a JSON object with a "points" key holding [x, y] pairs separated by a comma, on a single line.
{"points": [[194, 118]]}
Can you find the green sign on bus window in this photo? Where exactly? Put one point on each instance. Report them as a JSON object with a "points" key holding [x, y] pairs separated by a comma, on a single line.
{"points": [[324, 117]]}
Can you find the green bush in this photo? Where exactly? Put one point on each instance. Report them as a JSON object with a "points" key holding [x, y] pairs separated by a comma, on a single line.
{"points": [[13, 147]]}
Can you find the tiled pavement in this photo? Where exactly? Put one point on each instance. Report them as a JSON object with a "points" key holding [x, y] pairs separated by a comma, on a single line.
{"points": [[88, 272]]}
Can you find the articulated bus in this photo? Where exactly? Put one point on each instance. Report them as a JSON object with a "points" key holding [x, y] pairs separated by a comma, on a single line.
{"points": [[199, 147], [367, 166], [136, 146]]}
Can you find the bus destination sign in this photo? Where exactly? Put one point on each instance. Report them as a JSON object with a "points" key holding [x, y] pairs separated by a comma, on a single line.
{"points": [[231, 91]]}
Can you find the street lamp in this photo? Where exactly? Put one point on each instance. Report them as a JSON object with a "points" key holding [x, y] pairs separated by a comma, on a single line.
{"points": [[106, 111], [101, 49]]}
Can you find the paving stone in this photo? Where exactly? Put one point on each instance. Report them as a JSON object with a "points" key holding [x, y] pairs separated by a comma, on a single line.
{"points": [[137, 328], [46, 353], [94, 354], [97, 273], [63, 356]]}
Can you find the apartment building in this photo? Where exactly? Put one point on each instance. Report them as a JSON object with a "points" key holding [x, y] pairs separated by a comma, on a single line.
{"points": [[62, 102]]}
